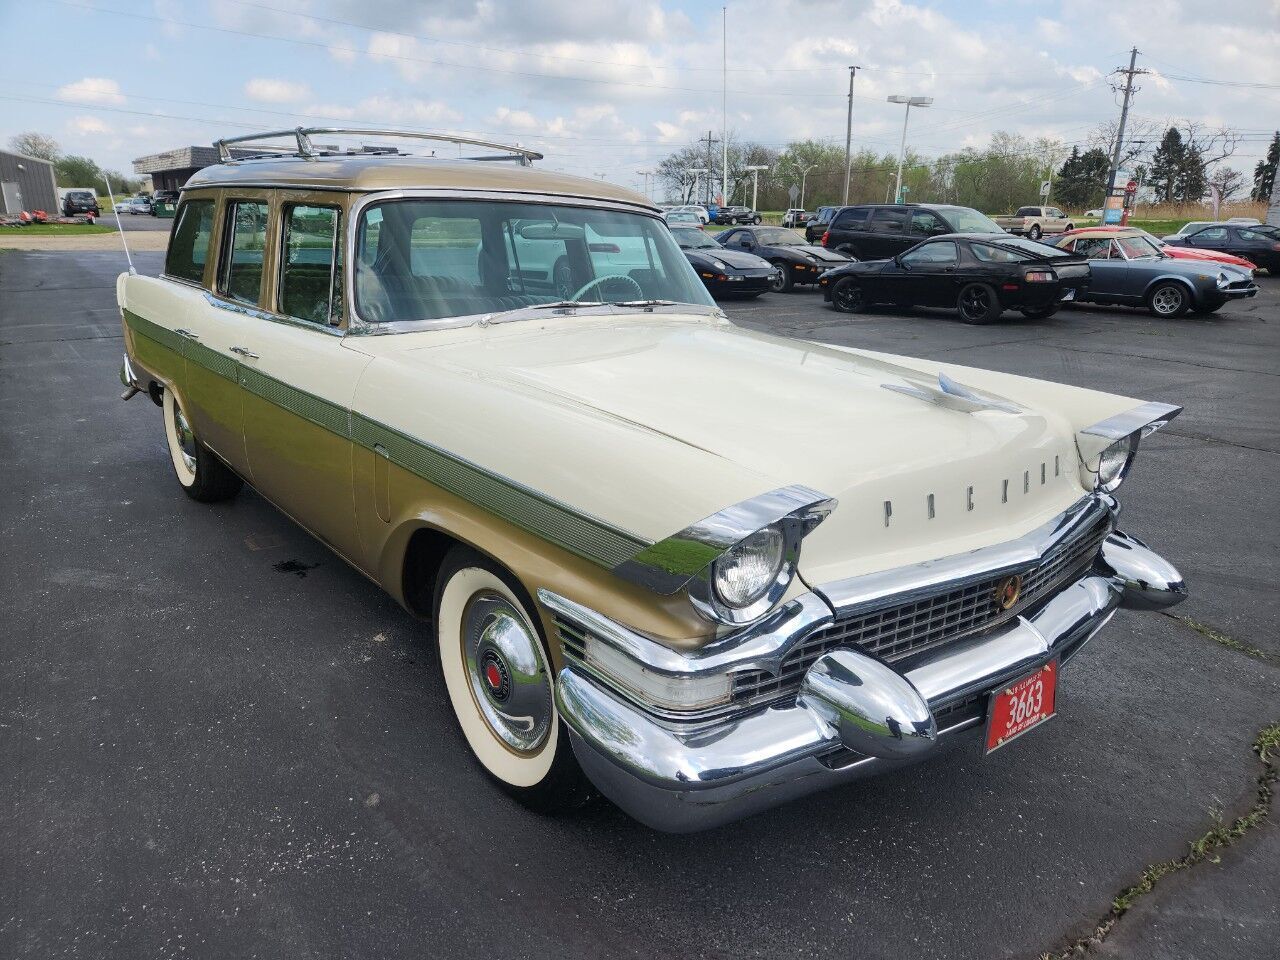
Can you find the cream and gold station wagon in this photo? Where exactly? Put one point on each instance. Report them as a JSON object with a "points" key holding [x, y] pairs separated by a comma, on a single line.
{"points": [[701, 568]]}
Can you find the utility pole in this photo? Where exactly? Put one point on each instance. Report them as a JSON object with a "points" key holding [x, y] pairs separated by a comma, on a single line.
{"points": [[1124, 119], [710, 164], [848, 134]]}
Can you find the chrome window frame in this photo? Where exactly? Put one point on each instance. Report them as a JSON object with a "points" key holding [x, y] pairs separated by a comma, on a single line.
{"points": [[358, 326], [335, 243], [226, 246]]}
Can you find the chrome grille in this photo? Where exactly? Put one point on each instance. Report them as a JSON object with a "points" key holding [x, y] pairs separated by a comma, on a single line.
{"points": [[905, 629]]}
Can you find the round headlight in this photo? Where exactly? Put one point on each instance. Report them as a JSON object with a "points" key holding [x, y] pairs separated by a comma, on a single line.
{"points": [[1113, 463], [745, 573]]}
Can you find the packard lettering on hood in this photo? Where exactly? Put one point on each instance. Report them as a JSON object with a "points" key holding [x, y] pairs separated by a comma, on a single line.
{"points": [[706, 568]]}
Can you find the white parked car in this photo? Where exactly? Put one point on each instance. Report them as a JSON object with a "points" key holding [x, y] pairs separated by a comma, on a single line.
{"points": [[134, 206], [703, 568], [698, 211]]}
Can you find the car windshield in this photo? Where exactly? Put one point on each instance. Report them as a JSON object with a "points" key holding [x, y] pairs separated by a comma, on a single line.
{"points": [[80, 195], [436, 259], [968, 220], [694, 239], [1139, 248], [779, 237]]}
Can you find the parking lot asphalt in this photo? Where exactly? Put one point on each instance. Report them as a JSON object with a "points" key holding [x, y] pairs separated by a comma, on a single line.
{"points": [[217, 740]]}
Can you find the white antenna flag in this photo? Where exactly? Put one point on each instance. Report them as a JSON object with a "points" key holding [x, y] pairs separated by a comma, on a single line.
{"points": [[119, 223]]}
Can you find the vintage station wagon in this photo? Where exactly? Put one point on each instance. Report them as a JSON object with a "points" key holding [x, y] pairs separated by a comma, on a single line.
{"points": [[701, 568]]}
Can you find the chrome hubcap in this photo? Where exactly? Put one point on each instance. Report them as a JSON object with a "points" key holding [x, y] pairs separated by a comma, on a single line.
{"points": [[1167, 300], [186, 438], [507, 673]]}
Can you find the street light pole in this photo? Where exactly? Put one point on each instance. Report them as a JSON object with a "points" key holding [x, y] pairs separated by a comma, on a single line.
{"points": [[695, 171], [724, 106], [902, 148], [848, 134], [804, 175]]}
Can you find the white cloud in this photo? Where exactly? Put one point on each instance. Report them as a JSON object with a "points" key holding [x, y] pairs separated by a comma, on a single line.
{"points": [[84, 126], [93, 90], [270, 90]]}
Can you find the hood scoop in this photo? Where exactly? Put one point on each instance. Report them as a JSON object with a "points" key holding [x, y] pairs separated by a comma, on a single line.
{"points": [[954, 396]]}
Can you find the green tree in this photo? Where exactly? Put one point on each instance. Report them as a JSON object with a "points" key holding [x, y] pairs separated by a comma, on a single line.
{"points": [[1167, 166], [1264, 174], [73, 171], [1079, 183], [34, 144], [1192, 182]]}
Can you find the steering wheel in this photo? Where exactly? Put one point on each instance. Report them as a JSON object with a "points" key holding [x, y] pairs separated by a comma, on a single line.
{"points": [[609, 276]]}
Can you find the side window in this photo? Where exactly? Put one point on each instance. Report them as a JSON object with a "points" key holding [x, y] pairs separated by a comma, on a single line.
{"points": [[854, 219], [989, 254], [1056, 213], [1028, 212], [310, 264], [888, 220], [925, 224], [1094, 248], [1211, 233], [244, 246], [941, 253], [189, 244]]}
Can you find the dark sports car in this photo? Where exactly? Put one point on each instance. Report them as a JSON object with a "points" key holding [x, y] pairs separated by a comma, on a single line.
{"points": [[1131, 270], [797, 261], [1256, 242], [725, 273], [979, 274]]}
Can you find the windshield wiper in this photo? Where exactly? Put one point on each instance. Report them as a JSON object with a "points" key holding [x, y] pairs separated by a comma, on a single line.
{"points": [[560, 304], [644, 304]]}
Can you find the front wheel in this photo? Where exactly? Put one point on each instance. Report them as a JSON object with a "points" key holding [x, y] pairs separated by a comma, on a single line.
{"points": [[1169, 300], [978, 303], [847, 296], [202, 476], [498, 677], [781, 283]]}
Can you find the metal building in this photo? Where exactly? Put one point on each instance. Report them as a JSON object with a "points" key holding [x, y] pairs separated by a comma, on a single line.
{"points": [[173, 168], [26, 184]]}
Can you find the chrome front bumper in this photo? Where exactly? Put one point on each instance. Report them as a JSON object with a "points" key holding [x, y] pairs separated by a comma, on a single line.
{"points": [[854, 716]]}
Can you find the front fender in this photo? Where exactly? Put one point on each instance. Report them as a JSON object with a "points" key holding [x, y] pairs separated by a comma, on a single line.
{"points": [[1197, 293]]}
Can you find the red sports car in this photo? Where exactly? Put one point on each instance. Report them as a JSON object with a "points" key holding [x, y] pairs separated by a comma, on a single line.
{"points": [[1178, 253]]}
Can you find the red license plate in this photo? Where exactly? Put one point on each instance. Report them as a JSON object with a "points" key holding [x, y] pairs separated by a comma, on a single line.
{"points": [[1022, 705]]}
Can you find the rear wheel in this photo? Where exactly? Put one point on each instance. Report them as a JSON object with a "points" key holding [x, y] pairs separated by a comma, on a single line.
{"points": [[1034, 232], [1169, 300], [781, 283], [498, 677], [1040, 313], [978, 303], [756, 219], [200, 473], [847, 296]]}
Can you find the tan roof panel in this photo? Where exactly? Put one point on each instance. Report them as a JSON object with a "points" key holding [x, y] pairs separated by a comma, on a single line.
{"points": [[367, 173]]}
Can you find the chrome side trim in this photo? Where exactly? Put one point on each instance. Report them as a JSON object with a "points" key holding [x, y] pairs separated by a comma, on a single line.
{"points": [[260, 314], [901, 584], [1147, 417], [669, 565]]}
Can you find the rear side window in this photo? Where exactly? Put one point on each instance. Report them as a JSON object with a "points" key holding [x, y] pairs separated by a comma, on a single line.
{"points": [[244, 248], [989, 254], [310, 268], [1028, 212], [887, 220], [851, 219], [189, 243]]}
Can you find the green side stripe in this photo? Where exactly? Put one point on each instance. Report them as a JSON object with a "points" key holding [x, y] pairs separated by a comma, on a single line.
{"points": [[583, 535]]}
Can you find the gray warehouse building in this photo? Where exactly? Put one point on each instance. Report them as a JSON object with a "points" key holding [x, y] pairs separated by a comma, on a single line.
{"points": [[172, 169], [27, 184]]}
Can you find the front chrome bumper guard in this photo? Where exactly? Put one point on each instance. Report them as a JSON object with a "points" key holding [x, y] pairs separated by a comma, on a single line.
{"points": [[682, 780]]}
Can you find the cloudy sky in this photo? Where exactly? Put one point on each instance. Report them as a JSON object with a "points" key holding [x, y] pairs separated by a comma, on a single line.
{"points": [[609, 87]]}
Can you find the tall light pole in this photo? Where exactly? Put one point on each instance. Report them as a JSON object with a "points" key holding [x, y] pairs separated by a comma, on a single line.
{"points": [[755, 183], [646, 174], [848, 134], [804, 175], [902, 149], [724, 106]]}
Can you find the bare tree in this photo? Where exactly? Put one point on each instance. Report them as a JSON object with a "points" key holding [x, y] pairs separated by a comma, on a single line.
{"points": [[1215, 144], [1229, 181], [1140, 138], [34, 144]]}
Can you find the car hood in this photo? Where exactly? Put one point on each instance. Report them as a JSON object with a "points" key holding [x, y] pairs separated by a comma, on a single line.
{"points": [[735, 258], [652, 423]]}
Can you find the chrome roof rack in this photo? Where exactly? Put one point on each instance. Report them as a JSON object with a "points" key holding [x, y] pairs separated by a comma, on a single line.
{"points": [[309, 151]]}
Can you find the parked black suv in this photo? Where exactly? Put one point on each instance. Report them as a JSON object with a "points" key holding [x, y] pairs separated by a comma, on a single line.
{"points": [[78, 202], [879, 231], [732, 215], [817, 225]]}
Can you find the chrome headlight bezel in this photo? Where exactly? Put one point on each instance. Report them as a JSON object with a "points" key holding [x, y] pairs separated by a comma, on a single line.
{"points": [[1107, 449], [707, 594]]}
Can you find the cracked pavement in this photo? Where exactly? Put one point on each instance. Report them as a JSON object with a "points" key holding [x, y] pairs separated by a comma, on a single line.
{"points": [[203, 756]]}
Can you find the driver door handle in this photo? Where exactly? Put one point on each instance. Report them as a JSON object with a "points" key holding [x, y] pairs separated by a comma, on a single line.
{"points": [[245, 352]]}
